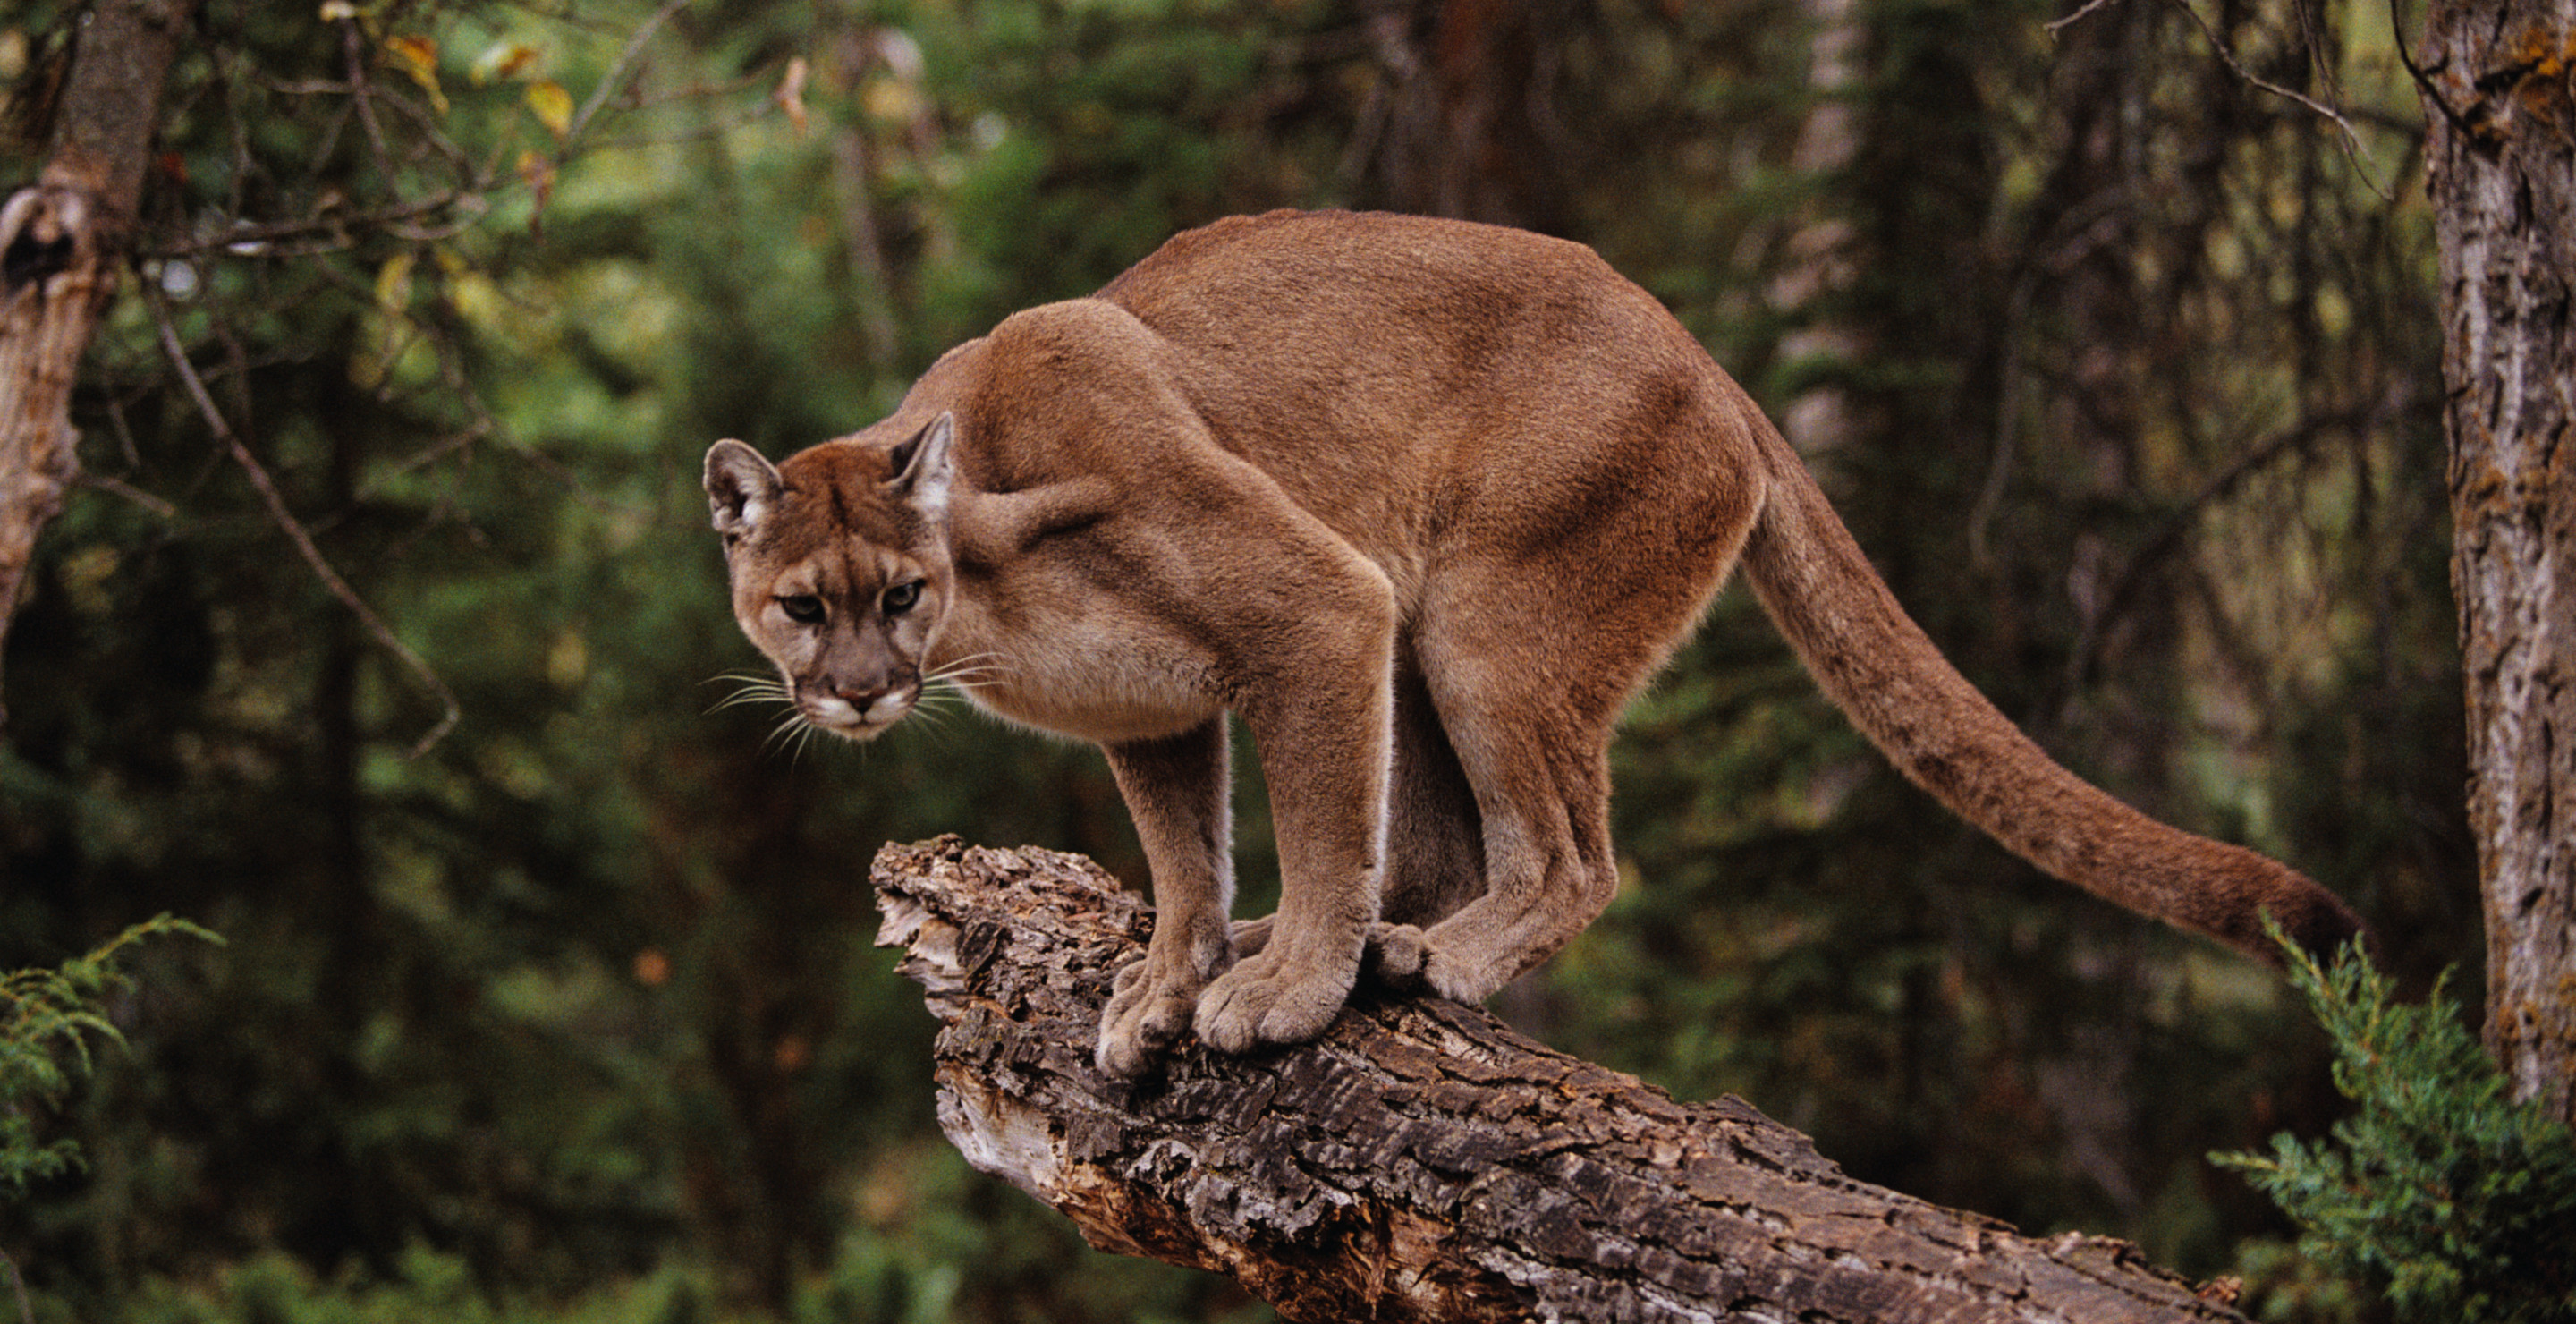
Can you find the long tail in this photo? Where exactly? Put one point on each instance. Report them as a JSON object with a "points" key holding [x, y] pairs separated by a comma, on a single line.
{"points": [[1880, 668]]}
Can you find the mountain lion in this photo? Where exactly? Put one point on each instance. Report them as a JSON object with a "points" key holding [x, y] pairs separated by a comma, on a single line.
{"points": [[1424, 503]]}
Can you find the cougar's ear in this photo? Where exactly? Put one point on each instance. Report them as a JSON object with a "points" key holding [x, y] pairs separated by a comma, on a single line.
{"points": [[741, 486], [925, 468]]}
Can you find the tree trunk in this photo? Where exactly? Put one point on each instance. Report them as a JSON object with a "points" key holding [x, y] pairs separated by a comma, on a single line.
{"points": [[1469, 124], [2496, 83], [1421, 1161], [60, 241]]}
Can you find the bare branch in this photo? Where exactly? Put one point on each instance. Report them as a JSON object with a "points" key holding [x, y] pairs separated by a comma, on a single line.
{"points": [[2172, 536], [617, 70], [449, 710], [2055, 26], [2353, 146], [272, 239], [120, 488]]}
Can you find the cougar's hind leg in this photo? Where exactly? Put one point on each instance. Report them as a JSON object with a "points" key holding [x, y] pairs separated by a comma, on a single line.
{"points": [[1435, 837], [1587, 556], [1435, 846], [1542, 794], [1528, 671], [1177, 789]]}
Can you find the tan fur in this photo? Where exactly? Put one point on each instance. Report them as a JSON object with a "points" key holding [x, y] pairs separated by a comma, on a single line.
{"points": [[1424, 503]]}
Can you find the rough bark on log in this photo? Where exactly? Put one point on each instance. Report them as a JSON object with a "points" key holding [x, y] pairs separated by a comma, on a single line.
{"points": [[1422, 1161]]}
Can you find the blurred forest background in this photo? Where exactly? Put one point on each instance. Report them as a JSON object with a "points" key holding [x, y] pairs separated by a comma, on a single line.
{"points": [[2109, 328]]}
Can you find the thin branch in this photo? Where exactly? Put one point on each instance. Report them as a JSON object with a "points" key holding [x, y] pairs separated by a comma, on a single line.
{"points": [[2353, 146], [120, 487], [450, 711], [458, 440], [2078, 16], [1990, 495], [263, 240], [764, 75], [617, 70], [701, 131], [2169, 539], [2423, 80], [361, 95], [427, 219]]}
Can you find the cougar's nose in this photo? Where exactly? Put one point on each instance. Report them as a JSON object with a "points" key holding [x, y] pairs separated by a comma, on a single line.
{"points": [[857, 705]]}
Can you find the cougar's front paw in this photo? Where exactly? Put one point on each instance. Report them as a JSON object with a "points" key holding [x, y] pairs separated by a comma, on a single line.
{"points": [[1267, 1000], [1145, 1016]]}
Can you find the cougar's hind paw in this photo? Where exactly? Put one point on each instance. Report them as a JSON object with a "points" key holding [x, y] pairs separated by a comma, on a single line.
{"points": [[1251, 935], [1264, 1000], [1144, 1018], [1399, 957]]}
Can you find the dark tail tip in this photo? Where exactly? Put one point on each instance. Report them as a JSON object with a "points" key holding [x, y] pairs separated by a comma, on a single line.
{"points": [[2315, 921], [2243, 899]]}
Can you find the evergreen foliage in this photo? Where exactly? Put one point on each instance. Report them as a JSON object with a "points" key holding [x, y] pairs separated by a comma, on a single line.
{"points": [[47, 1018], [2442, 1187]]}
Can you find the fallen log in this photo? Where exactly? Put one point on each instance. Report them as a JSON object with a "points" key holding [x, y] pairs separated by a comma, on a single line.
{"points": [[1422, 1161]]}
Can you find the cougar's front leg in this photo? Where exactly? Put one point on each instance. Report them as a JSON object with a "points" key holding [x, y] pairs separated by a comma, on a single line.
{"points": [[1321, 716], [1177, 791]]}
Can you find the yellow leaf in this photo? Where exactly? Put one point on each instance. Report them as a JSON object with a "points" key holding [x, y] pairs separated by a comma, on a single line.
{"points": [[504, 59], [892, 100], [479, 301], [552, 104], [338, 11], [790, 95], [393, 282], [538, 174], [418, 57]]}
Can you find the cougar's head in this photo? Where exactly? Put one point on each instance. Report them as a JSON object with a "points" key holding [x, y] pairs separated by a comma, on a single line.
{"points": [[840, 568]]}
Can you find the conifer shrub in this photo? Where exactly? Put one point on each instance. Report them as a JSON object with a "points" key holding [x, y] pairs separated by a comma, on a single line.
{"points": [[2440, 1190], [47, 1017]]}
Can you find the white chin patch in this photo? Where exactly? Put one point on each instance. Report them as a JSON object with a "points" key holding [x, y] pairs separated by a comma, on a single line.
{"points": [[844, 718]]}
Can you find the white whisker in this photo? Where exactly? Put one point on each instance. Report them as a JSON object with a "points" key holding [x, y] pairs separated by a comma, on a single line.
{"points": [[750, 688], [791, 732], [967, 672]]}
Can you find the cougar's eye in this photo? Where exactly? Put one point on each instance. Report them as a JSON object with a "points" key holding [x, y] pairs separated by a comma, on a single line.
{"points": [[901, 597], [802, 608]]}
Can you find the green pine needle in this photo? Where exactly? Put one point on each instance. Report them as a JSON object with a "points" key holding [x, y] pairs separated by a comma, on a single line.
{"points": [[47, 1018], [2441, 1189]]}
